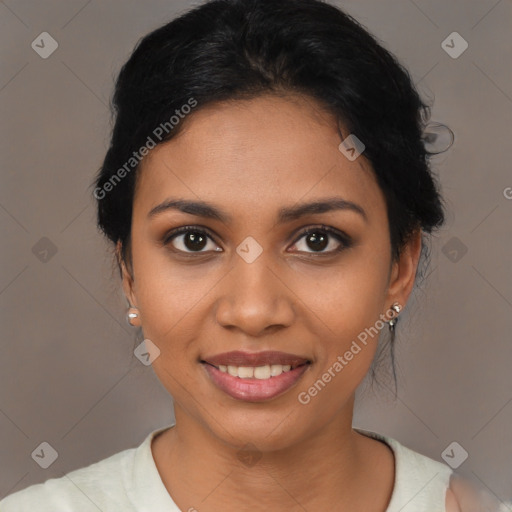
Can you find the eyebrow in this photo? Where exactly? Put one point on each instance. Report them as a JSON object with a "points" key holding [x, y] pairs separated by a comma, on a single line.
{"points": [[287, 214]]}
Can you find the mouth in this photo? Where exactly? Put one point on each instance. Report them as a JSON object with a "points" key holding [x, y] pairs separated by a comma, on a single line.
{"points": [[255, 377]]}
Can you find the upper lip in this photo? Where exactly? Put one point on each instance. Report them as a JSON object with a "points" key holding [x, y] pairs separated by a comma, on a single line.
{"points": [[240, 358]]}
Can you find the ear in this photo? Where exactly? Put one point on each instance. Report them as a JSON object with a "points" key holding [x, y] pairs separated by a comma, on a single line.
{"points": [[127, 281], [403, 271]]}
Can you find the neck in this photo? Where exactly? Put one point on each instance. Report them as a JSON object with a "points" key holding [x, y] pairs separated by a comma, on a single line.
{"points": [[205, 473]]}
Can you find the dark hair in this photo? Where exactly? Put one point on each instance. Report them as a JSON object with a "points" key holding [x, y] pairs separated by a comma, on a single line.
{"points": [[239, 49]]}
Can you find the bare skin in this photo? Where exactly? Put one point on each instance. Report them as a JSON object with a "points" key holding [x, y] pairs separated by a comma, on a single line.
{"points": [[250, 159]]}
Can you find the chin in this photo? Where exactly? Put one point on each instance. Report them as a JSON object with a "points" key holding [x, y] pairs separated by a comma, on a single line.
{"points": [[265, 430]]}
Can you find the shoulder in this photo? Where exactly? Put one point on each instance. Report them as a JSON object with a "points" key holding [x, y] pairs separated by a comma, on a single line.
{"points": [[411, 465], [84, 489], [420, 483]]}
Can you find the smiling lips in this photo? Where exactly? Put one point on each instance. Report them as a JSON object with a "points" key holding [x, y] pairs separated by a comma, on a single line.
{"points": [[257, 376]]}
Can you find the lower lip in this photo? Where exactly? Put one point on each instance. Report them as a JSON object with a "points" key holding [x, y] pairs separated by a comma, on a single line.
{"points": [[254, 390]]}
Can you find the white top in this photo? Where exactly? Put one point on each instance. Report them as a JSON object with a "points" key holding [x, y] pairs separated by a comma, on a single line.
{"points": [[129, 481]]}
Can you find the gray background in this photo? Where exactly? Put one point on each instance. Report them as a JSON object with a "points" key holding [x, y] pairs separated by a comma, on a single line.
{"points": [[67, 370]]}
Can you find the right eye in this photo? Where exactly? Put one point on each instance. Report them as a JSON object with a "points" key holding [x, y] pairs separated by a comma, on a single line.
{"points": [[189, 239]]}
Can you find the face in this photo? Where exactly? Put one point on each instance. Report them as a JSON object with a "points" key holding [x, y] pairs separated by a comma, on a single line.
{"points": [[243, 276]]}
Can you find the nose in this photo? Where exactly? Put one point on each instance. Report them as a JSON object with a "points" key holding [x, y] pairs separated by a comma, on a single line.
{"points": [[255, 299]]}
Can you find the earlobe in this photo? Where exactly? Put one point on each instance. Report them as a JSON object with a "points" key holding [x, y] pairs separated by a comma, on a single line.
{"points": [[133, 317], [132, 313]]}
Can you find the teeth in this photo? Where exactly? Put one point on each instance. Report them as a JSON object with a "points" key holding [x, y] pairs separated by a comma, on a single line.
{"points": [[256, 372], [233, 370], [262, 372], [277, 369], [244, 372]]}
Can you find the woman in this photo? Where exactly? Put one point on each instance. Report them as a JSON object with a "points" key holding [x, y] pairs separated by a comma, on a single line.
{"points": [[268, 192]]}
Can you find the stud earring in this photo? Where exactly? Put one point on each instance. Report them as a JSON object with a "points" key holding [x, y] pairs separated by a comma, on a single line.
{"points": [[396, 308], [131, 315]]}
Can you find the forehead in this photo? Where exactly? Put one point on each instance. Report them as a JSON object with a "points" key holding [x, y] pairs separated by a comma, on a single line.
{"points": [[258, 155]]}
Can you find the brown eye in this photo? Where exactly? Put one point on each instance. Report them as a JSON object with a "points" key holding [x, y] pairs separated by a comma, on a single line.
{"points": [[194, 241], [319, 238], [317, 241], [189, 240]]}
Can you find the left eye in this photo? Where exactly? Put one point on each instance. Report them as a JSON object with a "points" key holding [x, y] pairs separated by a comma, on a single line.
{"points": [[319, 239]]}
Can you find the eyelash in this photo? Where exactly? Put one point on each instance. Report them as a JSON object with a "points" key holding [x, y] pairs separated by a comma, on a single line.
{"points": [[345, 240]]}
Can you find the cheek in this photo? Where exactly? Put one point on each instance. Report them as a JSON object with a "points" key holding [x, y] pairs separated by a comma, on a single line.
{"points": [[342, 308], [347, 297], [347, 327], [168, 291]]}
